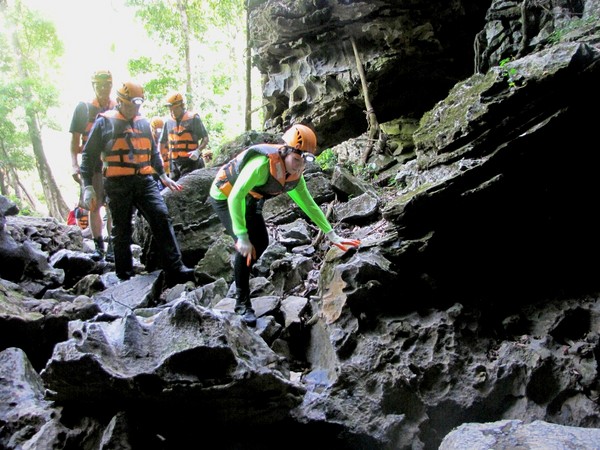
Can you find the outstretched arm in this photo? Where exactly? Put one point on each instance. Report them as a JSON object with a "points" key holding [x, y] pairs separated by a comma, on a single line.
{"points": [[342, 243], [304, 200]]}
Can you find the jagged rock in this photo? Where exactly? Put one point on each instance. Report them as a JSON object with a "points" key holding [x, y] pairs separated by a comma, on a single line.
{"points": [[471, 298], [23, 408], [343, 181], [7, 208], [294, 234], [76, 265], [139, 292], [183, 355], [359, 209], [305, 49], [516, 434], [217, 261]]}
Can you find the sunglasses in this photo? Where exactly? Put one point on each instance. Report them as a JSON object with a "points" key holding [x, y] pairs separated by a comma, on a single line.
{"points": [[307, 156]]}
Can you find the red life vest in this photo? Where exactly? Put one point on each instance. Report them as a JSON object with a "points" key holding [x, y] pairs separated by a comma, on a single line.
{"points": [[71, 218], [131, 148], [276, 184]]}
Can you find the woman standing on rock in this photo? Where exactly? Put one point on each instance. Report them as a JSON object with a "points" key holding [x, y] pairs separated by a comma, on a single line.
{"points": [[238, 193]]}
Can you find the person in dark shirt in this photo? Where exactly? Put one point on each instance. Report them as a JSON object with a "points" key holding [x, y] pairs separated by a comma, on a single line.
{"points": [[81, 123], [121, 141]]}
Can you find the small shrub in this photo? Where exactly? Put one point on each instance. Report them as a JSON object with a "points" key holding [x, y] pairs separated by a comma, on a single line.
{"points": [[327, 159], [509, 73]]}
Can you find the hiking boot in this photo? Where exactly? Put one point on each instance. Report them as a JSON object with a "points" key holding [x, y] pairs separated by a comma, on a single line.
{"points": [[247, 313], [249, 317], [125, 275], [180, 276], [98, 254], [243, 307], [110, 253]]}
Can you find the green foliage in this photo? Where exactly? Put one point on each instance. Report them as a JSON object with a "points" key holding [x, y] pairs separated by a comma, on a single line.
{"points": [[221, 83], [360, 171], [24, 208], [556, 36], [225, 13], [38, 46], [209, 33], [161, 80], [509, 73], [14, 157], [560, 34], [29, 52], [327, 159], [160, 20]]}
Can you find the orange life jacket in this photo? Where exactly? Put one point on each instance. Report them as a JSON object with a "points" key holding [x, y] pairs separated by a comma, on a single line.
{"points": [[181, 138], [93, 108], [131, 148], [276, 184]]}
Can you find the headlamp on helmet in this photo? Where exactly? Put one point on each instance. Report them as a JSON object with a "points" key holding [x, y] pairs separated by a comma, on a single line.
{"points": [[131, 92], [306, 156]]}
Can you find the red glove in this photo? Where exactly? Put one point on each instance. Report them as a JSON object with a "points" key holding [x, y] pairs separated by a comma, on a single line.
{"points": [[341, 243]]}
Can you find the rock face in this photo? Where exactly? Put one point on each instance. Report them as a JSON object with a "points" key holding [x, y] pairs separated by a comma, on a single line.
{"points": [[473, 297], [412, 53], [515, 434]]}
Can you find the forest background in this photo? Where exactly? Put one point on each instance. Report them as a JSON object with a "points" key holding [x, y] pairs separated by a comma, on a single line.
{"points": [[49, 50]]}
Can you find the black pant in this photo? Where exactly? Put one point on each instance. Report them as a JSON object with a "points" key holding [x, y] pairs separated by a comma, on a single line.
{"points": [[140, 191], [183, 166], [257, 233]]}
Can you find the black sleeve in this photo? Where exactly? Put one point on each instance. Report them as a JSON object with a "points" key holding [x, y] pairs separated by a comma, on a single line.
{"points": [[92, 151]]}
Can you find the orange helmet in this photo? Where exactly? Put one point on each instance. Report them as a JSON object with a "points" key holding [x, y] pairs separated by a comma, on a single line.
{"points": [[131, 92], [157, 122], [174, 99], [301, 137], [101, 75]]}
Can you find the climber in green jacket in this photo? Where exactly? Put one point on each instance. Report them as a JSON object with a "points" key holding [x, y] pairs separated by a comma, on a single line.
{"points": [[240, 188]]}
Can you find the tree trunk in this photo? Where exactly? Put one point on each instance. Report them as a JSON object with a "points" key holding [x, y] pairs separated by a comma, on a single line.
{"points": [[9, 178], [185, 39], [57, 207], [35, 206], [3, 186], [248, 110], [373, 125]]}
